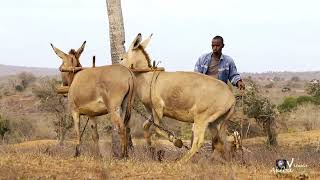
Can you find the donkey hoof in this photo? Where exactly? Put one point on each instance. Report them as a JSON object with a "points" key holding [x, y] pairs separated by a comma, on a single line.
{"points": [[178, 143]]}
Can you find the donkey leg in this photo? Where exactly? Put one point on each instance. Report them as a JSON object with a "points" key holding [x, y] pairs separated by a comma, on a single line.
{"points": [[128, 130], [223, 137], [157, 116], [146, 132], [214, 134], [147, 136], [157, 119], [217, 143], [198, 138], [227, 146], [95, 135], [76, 120], [116, 119]]}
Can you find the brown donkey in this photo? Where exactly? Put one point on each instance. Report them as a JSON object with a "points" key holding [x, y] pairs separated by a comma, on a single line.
{"points": [[98, 91], [185, 96]]}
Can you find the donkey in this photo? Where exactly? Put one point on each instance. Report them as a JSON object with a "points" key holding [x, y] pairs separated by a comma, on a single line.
{"points": [[184, 96], [98, 91]]}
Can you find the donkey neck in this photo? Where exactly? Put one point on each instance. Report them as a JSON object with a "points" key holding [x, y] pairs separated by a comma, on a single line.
{"points": [[143, 83], [143, 78], [67, 77]]}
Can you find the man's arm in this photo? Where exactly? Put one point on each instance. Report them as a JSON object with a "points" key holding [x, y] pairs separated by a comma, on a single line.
{"points": [[197, 67], [234, 76]]}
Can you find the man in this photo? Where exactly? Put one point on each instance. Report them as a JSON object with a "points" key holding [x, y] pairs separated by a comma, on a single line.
{"points": [[218, 65]]}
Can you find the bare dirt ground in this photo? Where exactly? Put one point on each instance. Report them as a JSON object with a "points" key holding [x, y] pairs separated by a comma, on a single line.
{"points": [[44, 160]]}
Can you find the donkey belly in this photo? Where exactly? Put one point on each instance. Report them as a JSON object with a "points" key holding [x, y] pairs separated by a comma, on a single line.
{"points": [[94, 108], [180, 115]]}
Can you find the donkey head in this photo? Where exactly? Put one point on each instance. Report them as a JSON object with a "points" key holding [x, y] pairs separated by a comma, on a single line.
{"points": [[69, 60], [136, 56]]}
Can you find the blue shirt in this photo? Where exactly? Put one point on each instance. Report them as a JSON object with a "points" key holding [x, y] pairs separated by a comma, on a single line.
{"points": [[227, 69]]}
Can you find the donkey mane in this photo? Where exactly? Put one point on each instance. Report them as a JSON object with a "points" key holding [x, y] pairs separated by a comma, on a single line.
{"points": [[146, 55], [75, 54], [72, 51]]}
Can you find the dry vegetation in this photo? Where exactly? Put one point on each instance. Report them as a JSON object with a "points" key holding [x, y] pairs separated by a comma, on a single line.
{"points": [[43, 159], [30, 149]]}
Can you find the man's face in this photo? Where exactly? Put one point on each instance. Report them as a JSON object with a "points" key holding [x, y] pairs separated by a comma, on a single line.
{"points": [[217, 46]]}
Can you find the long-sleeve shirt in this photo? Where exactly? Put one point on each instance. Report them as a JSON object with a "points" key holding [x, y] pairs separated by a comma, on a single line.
{"points": [[227, 69]]}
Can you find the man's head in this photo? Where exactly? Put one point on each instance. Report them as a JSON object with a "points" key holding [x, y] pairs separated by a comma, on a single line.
{"points": [[217, 45]]}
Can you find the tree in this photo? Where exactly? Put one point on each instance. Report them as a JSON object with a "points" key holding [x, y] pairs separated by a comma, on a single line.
{"points": [[26, 79], [259, 107], [116, 30], [55, 103], [117, 40], [313, 89]]}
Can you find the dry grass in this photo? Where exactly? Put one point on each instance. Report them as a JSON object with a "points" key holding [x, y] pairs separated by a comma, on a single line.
{"points": [[44, 160], [40, 165], [305, 118], [276, 96]]}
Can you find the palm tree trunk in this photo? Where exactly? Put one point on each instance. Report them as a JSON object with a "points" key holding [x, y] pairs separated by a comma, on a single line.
{"points": [[116, 30], [117, 40]]}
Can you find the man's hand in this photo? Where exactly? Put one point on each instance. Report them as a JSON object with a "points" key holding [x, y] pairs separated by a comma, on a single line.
{"points": [[241, 85]]}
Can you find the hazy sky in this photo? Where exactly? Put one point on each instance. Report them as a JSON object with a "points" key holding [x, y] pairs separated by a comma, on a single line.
{"points": [[261, 35]]}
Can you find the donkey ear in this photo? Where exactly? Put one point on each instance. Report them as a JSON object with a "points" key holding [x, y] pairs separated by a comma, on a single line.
{"points": [[145, 43], [136, 42], [80, 50], [60, 53]]}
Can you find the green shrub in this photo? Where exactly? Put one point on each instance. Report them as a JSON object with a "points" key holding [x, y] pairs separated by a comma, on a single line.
{"points": [[306, 99], [289, 104], [316, 100], [4, 127]]}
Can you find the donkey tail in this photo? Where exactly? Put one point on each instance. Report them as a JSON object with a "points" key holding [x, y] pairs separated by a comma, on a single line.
{"points": [[130, 98]]}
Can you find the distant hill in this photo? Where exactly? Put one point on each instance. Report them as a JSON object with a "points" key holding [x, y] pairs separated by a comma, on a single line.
{"points": [[6, 70], [285, 75]]}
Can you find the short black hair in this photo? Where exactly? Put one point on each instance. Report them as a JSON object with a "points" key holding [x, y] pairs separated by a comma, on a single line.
{"points": [[219, 37]]}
